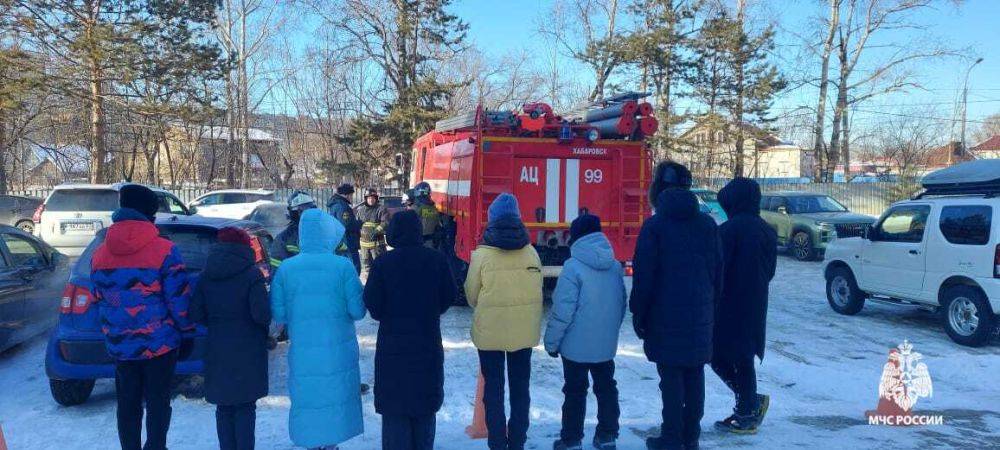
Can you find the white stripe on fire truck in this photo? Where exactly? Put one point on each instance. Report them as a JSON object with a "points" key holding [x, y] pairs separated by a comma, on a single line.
{"points": [[460, 188], [552, 188], [572, 189]]}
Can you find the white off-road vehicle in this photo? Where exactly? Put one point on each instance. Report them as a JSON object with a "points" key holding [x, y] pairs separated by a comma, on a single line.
{"points": [[939, 251]]}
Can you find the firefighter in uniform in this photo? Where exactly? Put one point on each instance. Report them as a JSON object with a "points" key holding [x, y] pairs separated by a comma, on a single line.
{"points": [[340, 208], [374, 220], [430, 219], [286, 243]]}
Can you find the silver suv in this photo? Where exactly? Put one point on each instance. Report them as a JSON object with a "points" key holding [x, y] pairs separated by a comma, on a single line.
{"points": [[72, 214]]}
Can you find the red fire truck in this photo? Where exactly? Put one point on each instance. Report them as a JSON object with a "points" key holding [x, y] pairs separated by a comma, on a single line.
{"points": [[557, 166]]}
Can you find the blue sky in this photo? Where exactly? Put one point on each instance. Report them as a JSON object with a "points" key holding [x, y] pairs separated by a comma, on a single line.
{"points": [[499, 27]]}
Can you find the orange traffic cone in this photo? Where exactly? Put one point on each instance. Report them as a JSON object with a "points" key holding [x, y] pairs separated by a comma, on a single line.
{"points": [[478, 428], [3, 442]]}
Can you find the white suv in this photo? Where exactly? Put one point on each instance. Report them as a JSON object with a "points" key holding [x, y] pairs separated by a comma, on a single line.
{"points": [[939, 251], [72, 214], [231, 203]]}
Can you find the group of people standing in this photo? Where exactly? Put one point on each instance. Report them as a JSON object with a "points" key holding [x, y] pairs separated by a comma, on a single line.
{"points": [[699, 297]]}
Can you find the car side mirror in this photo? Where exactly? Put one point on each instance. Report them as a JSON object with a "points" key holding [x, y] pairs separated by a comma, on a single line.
{"points": [[193, 209], [783, 210], [871, 233]]}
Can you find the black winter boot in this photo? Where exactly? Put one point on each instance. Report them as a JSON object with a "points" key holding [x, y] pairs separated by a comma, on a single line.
{"points": [[604, 442], [562, 445]]}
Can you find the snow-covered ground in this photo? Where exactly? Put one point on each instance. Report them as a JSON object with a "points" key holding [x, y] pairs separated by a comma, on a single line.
{"points": [[822, 371]]}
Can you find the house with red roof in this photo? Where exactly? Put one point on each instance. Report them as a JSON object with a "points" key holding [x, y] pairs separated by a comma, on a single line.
{"points": [[988, 149]]}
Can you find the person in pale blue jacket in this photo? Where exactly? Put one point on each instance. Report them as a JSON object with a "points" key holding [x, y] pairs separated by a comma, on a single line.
{"points": [[588, 307], [318, 295]]}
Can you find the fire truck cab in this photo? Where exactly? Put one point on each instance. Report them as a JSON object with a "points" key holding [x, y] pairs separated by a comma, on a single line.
{"points": [[557, 168]]}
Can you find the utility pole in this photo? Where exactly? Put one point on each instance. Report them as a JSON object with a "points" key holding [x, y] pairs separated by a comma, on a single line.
{"points": [[965, 102]]}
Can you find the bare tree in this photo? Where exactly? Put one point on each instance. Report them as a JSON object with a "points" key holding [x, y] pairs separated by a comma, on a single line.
{"points": [[598, 43], [886, 69]]}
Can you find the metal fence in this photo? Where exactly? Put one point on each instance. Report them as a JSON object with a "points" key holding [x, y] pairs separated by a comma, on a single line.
{"points": [[188, 194], [863, 198]]}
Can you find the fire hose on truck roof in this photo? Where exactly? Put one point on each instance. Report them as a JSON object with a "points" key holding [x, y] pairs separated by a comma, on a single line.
{"points": [[623, 116]]}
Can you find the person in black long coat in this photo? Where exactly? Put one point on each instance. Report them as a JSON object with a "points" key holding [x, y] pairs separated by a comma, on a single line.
{"points": [[678, 273], [231, 300], [408, 290], [749, 246]]}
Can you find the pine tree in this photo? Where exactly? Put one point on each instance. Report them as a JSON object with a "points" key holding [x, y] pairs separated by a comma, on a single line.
{"points": [[657, 48], [734, 76], [99, 45]]}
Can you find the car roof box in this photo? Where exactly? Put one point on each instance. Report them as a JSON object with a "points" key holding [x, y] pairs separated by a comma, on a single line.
{"points": [[980, 177]]}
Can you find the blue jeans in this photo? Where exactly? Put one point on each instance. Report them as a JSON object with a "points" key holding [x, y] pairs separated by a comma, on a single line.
{"points": [[504, 434]]}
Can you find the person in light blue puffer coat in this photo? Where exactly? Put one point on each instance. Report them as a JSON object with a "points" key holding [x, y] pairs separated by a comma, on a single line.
{"points": [[588, 307], [318, 295]]}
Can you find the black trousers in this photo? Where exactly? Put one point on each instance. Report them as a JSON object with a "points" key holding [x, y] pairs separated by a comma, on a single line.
{"points": [[683, 393], [408, 432], [235, 425], [144, 382], [574, 409], [504, 434], [741, 377]]}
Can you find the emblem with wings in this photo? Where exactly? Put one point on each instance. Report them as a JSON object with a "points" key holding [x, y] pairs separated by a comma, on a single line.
{"points": [[904, 378]]}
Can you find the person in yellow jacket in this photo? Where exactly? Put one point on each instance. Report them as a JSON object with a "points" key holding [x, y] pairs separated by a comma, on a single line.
{"points": [[504, 286]]}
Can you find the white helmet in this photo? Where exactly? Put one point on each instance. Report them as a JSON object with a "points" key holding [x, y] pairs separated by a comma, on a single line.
{"points": [[300, 201]]}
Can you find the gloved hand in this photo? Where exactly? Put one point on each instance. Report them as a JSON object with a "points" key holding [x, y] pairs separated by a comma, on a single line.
{"points": [[554, 354], [639, 326]]}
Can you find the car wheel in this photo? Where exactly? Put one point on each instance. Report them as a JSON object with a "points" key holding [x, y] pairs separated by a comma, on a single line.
{"points": [[842, 292], [802, 247], [26, 226], [71, 392], [967, 317]]}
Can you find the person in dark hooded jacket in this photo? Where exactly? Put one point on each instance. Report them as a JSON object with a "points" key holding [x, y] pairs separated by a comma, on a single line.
{"points": [[409, 356], [749, 247], [677, 278], [231, 300]]}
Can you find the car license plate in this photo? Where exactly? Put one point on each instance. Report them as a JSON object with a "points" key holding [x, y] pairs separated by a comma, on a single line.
{"points": [[78, 226]]}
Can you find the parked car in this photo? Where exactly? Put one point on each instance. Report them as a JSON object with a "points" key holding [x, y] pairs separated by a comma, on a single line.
{"points": [[272, 216], [72, 214], [939, 252], [806, 222], [393, 203], [76, 355], [230, 203], [32, 275], [18, 211], [710, 200]]}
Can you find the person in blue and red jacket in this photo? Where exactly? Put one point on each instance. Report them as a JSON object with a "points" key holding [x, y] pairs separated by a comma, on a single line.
{"points": [[142, 291]]}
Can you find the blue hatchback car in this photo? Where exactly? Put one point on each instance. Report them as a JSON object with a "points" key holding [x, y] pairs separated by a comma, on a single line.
{"points": [[76, 356]]}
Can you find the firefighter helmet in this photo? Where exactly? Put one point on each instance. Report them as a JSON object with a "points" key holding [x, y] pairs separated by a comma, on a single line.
{"points": [[371, 192], [422, 189], [300, 201]]}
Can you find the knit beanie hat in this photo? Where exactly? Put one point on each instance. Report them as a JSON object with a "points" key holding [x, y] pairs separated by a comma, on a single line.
{"points": [[505, 205], [582, 226], [139, 198]]}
